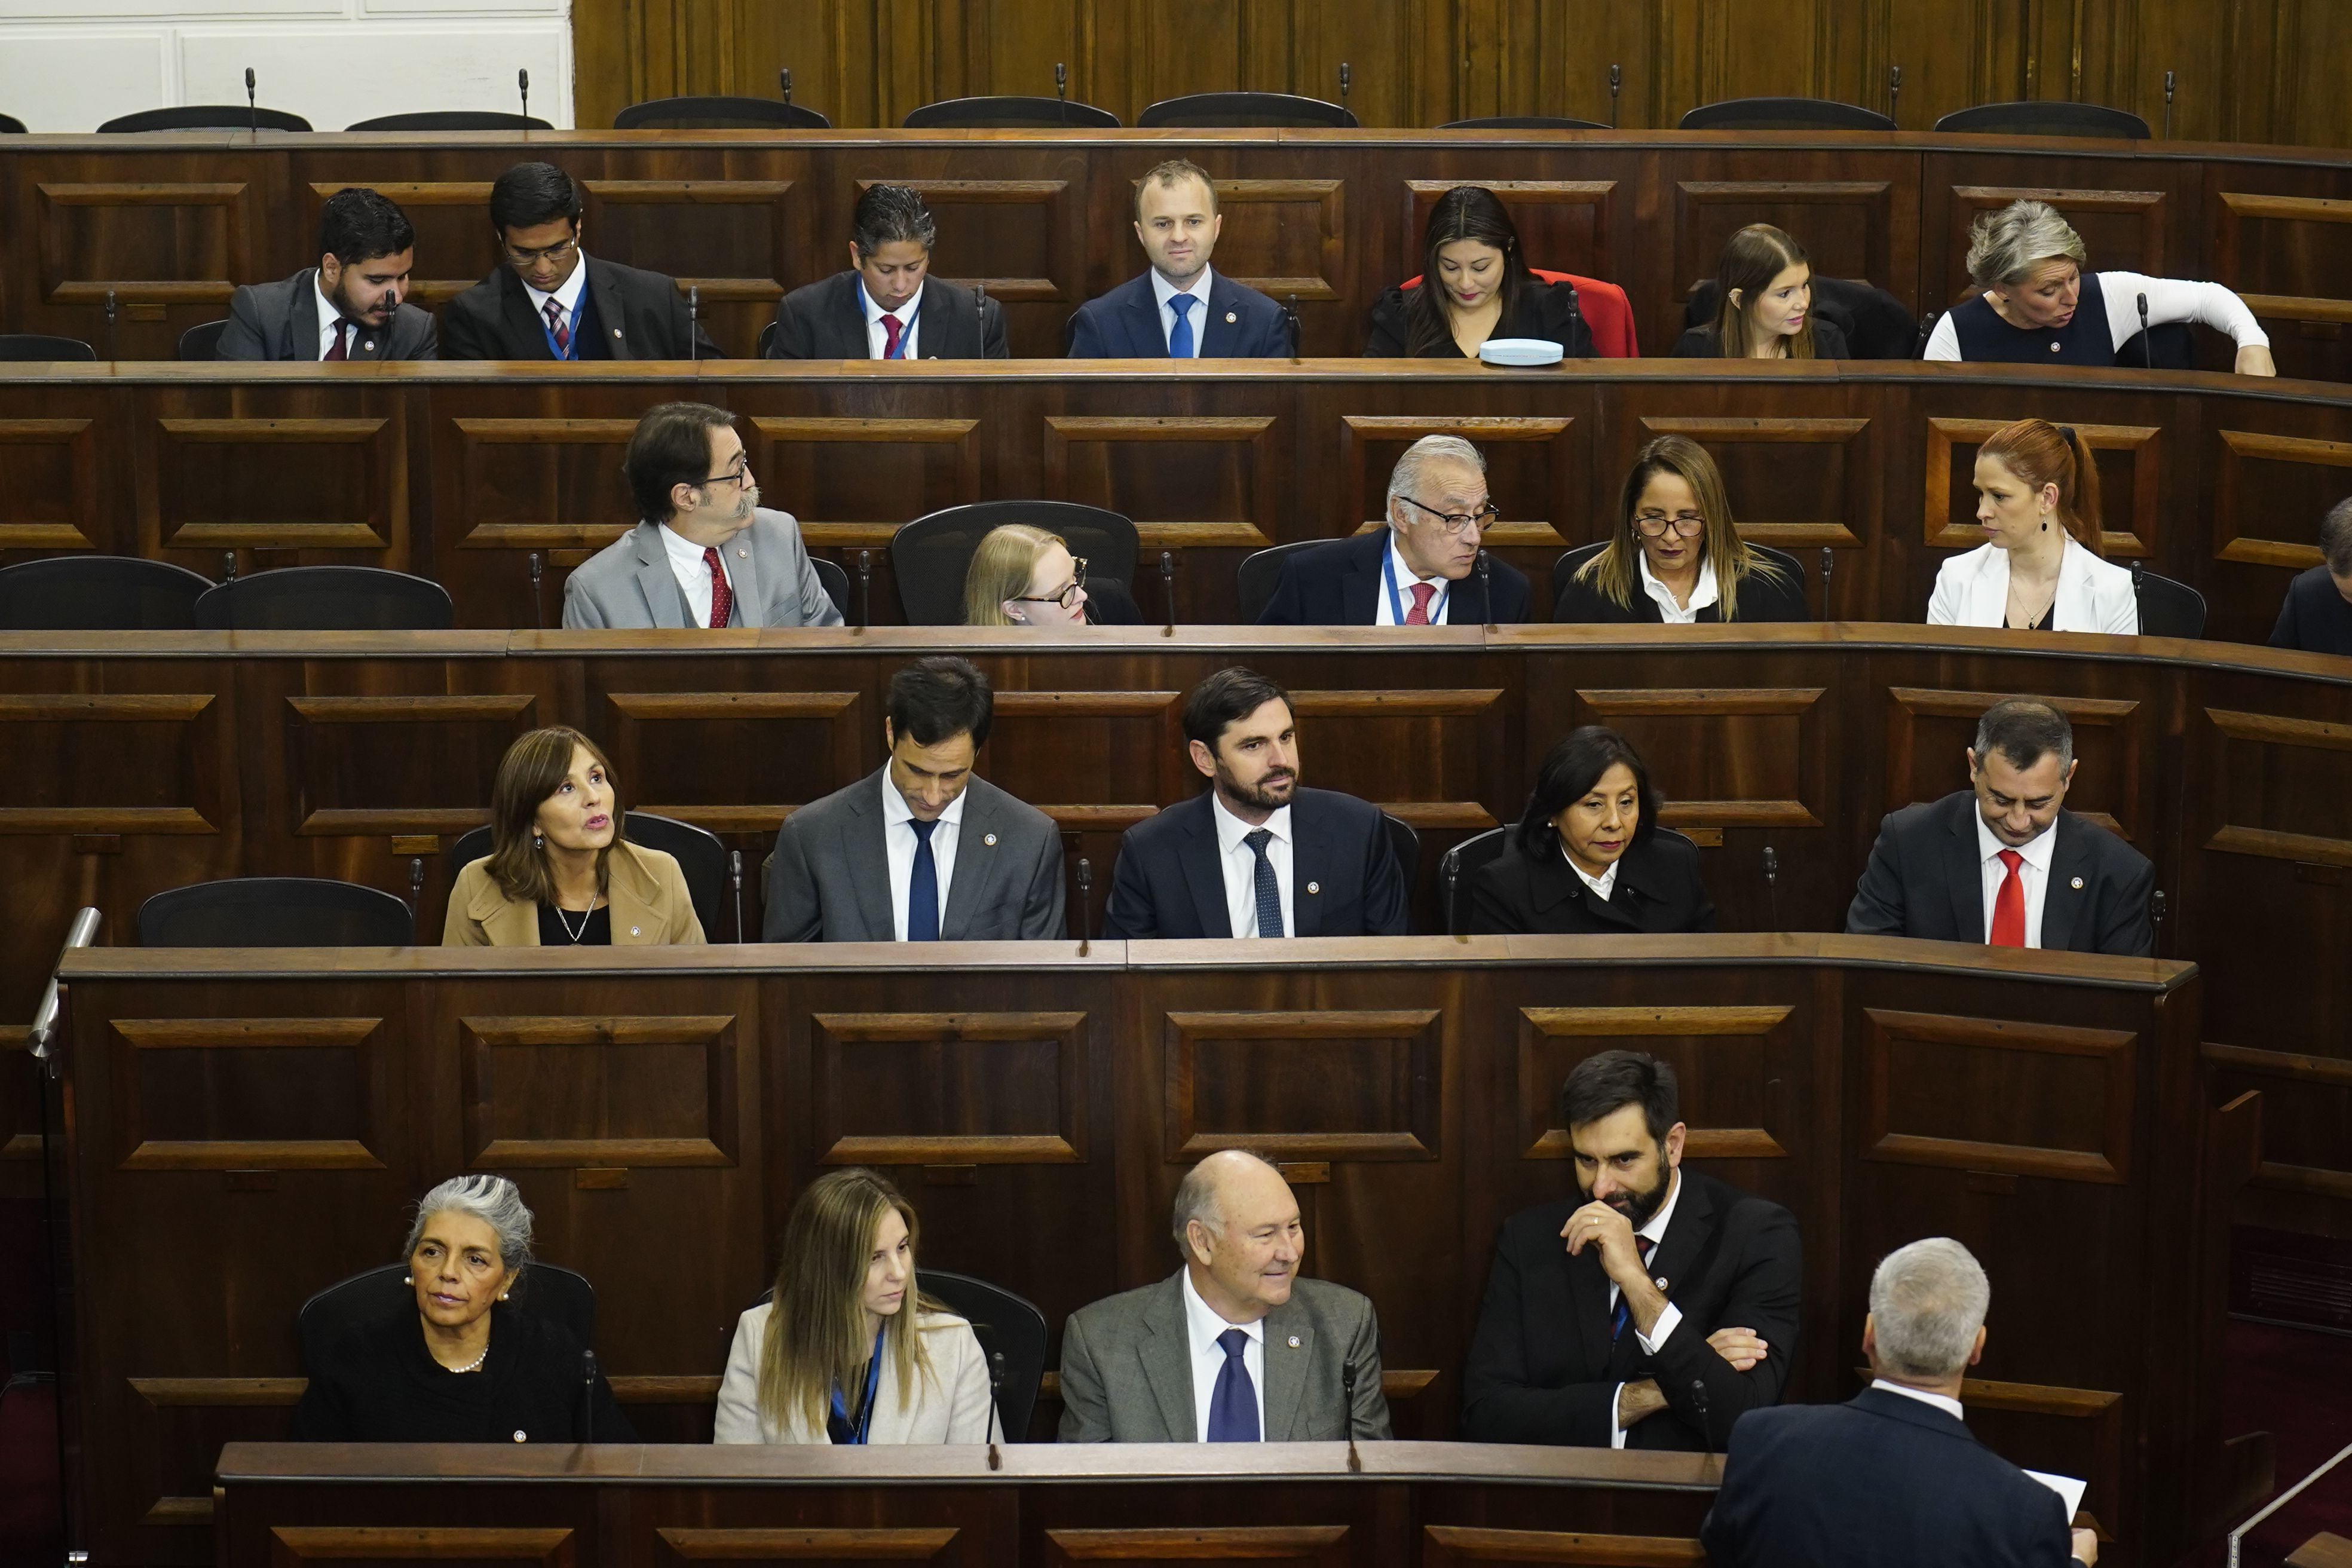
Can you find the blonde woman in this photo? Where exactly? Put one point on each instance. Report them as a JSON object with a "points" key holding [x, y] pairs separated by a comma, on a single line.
{"points": [[1676, 558], [1024, 576], [847, 1350]]}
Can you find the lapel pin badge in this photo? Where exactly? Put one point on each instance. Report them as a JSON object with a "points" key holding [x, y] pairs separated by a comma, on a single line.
{"points": [[989, 841], [1231, 318], [633, 931], [1293, 1342], [1661, 1281], [2078, 884], [368, 345], [1314, 887], [742, 554]]}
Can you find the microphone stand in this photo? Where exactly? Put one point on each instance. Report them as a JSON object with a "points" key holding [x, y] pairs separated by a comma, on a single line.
{"points": [[2147, 345], [110, 307], [1772, 883], [1086, 906], [1576, 328], [522, 85], [1347, 1391], [694, 322], [252, 113], [1062, 91], [784, 80], [588, 1396], [995, 1417], [866, 587], [735, 876], [1486, 587], [1829, 565], [1615, 79], [1344, 75], [1893, 92], [2156, 913], [1293, 326], [538, 610], [1168, 589], [2168, 106]]}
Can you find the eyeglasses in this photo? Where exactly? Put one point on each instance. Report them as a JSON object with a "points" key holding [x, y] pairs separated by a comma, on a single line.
{"points": [[1689, 524], [740, 474], [1068, 595], [557, 252], [1458, 524]]}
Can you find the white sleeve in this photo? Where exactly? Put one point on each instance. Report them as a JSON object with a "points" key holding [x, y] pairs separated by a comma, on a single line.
{"points": [[739, 1391], [1943, 343], [1616, 1429], [1944, 604], [2119, 605], [2173, 299], [1661, 1331]]}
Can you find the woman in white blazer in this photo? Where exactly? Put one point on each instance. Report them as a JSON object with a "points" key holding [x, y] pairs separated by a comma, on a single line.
{"points": [[2030, 575], [847, 1351]]}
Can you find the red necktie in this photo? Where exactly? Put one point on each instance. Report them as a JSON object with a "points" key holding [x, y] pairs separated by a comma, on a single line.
{"points": [[341, 350], [722, 597], [2008, 906], [557, 330], [891, 330], [1419, 614]]}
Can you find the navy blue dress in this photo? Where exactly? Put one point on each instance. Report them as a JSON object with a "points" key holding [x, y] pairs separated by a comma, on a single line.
{"points": [[2087, 339]]}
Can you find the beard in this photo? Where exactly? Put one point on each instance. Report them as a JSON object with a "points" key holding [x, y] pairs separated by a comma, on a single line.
{"points": [[1640, 1208], [1269, 794]]}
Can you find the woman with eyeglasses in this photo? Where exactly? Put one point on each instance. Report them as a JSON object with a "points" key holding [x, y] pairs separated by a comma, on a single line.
{"points": [[1676, 558], [1024, 576]]}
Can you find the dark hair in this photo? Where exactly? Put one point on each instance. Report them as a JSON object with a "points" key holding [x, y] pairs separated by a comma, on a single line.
{"points": [[1227, 696], [888, 213], [529, 195], [1607, 1081], [359, 224], [530, 772], [2335, 538], [936, 698], [1466, 212], [1568, 775], [2025, 730], [670, 446]]}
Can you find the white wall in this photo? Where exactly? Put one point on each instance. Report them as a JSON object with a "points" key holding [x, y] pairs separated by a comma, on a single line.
{"points": [[69, 65]]}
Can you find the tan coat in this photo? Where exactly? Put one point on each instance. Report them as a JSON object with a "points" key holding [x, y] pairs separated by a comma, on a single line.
{"points": [[647, 890], [953, 1405]]}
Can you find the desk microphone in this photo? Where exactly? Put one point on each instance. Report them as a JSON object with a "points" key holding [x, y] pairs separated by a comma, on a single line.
{"points": [[1893, 91], [2168, 106], [784, 80], [111, 307], [1576, 327], [1487, 586], [1167, 587], [694, 322], [538, 614], [252, 114], [1062, 91], [735, 876], [1706, 1431], [2156, 913], [522, 85], [1086, 906], [1293, 325], [1348, 1391], [1772, 883], [1616, 79], [995, 1392], [588, 1396], [2146, 348], [866, 587]]}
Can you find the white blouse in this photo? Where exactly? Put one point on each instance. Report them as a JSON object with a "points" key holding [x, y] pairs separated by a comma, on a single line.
{"points": [[1972, 590], [953, 1405]]}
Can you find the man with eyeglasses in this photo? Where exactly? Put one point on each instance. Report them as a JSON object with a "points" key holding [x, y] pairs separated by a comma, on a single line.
{"points": [[705, 554], [549, 299], [1427, 568]]}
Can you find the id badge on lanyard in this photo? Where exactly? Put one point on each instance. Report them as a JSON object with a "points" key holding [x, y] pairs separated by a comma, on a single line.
{"points": [[1396, 604]]}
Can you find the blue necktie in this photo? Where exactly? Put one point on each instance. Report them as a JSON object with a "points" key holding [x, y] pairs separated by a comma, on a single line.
{"points": [[1625, 1313], [923, 886], [1179, 337], [1233, 1407], [1269, 896]]}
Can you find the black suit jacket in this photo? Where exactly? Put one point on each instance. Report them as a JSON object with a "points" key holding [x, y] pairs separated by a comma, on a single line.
{"points": [[1543, 1367], [2314, 616], [1926, 879], [1880, 1481], [1765, 594], [1658, 888], [1338, 584], [1169, 883], [637, 315], [281, 321], [825, 321], [1547, 310], [1125, 323]]}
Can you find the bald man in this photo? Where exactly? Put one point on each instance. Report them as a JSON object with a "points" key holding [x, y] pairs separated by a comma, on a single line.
{"points": [[1234, 1347]]}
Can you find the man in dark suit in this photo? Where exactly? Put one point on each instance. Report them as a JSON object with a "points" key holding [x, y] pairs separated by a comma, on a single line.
{"points": [[887, 305], [349, 307], [1182, 307], [1893, 1475], [2004, 862], [1651, 1311], [2316, 616], [552, 300], [1256, 854], [1424, 569]]}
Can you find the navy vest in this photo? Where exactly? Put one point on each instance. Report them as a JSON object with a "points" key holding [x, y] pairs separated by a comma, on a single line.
{"points": [[2085, 340]]}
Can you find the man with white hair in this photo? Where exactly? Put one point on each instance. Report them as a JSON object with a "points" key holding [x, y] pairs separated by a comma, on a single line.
{"points": [[1427, 567], [1892, 1475]]}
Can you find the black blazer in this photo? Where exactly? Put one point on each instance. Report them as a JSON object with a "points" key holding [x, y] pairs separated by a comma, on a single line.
{"points": [[637, 315], [2314, 616], [1338, 584], [1699, 343], [1764, 595], [379, 1385], [1170, 884], [825, 321], [1658, 888], [1926, 879], [1543, 1367], [1547, 310], [1881, 1480], [1125, 323]]}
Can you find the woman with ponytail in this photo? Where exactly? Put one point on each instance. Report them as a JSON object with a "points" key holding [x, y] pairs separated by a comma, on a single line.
{"points": [[2037, 498]]}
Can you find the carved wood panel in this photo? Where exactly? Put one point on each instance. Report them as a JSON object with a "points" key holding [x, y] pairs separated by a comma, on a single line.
{"points": [[599, 1092], [2073, 1125], [382, 765], [1422, 756], [2264, 483], [1015, 238], [225, 1094], [378, 1544], [110, 763], [1930, 731], [540, 484], [1277, 1545], [2287, 257], [1127, 743], [950, 1088], [1847, 227], [48, 485], [1564, 225], [1535, 470], [1723, 1057], [2122, 230], [1283, 237], [452, 219], [98, 238], [683, 753], [2129, 483], [1739, 757], [810, 1545], [1818, 483], [278, 484], [1453, 1545], [846, 494], [1216, 487], [2272, 761], [1335, 1085]]}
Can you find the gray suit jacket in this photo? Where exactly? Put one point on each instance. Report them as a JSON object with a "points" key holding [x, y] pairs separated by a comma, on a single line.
{"points": [[280, 320], [1127, 1368], [629, 583], [830, 878]]}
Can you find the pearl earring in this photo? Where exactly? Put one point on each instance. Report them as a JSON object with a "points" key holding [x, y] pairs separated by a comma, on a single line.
{"points": [[537, 839], [408, 1280]]}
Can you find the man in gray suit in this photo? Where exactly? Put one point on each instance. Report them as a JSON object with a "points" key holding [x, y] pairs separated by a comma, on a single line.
{"points": [[349, 307], [920, 851], [1235, 1348], [706, 553]]}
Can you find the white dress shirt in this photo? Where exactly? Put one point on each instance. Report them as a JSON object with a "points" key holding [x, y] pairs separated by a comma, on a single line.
{"points": [[1944, 1403], [1240, 864], [1201, 1326], [877, 342], [1163, 292], [2169, 300], [330, 319], [567, 294], [693, 573], [898, 842], [1441, 603], [1654, 1233], [1601, 885], [1703, 592], [2033, 871]]}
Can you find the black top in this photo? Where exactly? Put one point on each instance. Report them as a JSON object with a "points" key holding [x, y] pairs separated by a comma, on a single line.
{"points": [[379, 1385], [1699, 343], [2314, 616], [554, 932], [1770, 593], [2085, 339], [1658, 888], [1547, 310]]}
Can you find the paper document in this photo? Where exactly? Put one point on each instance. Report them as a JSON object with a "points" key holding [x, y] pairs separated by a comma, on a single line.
{"points": [[2069, 1490]]}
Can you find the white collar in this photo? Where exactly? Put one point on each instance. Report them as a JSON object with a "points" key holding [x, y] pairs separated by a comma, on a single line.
{"points": [[1604, 884], [895, 809], [2036, 850], [328, 314], [1162, 291], [1406, 576], [567, 293], [1942, 1401], [906, 313], [1703, 593], [685, 555], [1232, 829], [1655, 1230], [1204, 1321]]}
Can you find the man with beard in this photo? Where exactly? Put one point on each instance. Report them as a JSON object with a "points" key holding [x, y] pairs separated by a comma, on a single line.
{"points": [[1256, 853], [346, 307], [1651, 1311], [705, 554]]}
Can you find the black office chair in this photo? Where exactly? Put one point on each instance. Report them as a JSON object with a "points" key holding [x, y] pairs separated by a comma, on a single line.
{"points": [[204, 116], [276, 911], [767, 336], [2046, 119], [1010, 113], [2169, 346], [1570, 562], [454, 119], [11, 126], [353, 1304], [1260, 571], [327, 599], [2167, 608], [201, 342], [1524, 122], [100, 593], [19, 347], [1459, 866], [1877, 325], [700, 857], [931, 555], [1404, 841], [1006, 1325], [1242, 110], [835, 579], [1783, 114], [719, 113]]}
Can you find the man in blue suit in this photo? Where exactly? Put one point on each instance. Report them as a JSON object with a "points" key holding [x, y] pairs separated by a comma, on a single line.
{"points": [[1182, 308]]}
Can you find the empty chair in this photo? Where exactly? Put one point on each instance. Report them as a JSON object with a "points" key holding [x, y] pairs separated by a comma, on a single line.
{"points": [[454, 119], [276, 911], [1784, 114], [1458, 868], [21, 346], [835, 578], [202, 341], [349, 1306], [100, 593], [1001, 114], [1005, 1325], [719, 113], [1524, 122], [11, 126], [2046, 119], [1247, 109], [327, 599], [206, 117], [1257, 577], [931, 555], [701, 858], [2167, 608]]}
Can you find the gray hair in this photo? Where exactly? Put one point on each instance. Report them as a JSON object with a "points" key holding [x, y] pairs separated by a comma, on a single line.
{"points": [[2025, 730], [1196, 1198], [2335, 538], [495, 1201], [1405, 478], [2003, 246], [1926, 1302]]}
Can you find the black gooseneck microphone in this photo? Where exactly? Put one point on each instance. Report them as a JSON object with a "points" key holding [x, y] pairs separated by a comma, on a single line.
{"points": [[694, 322], [784, 80], [252, 113], [588, 1396], [1062, 89], [1772, 883], [735, 879], [1487, 586], [2146, 348], [1616, 79], [538, 611], [2156, 913], [110, 307], [1168, 588], [1085, 905], [2168, 106], [1292, 325], [866, 587], [1705, 1430], [995, 1420], [1576, 327], [522, 85], [1348, 1393], [1893, 92]]}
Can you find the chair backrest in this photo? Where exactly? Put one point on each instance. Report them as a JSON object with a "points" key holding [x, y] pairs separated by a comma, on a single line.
{"points": [[100, 593], [1524, 122], [2167, 608], [835, 578], [1877, 325], [23, 346], [1459, 866], [1254, 578], [1569, 564], [1783, 114], [1247, 109], [699, 852], [204, 116], [719, 113], [767, 337], [1608, 314], [201, 342], [931, 555], [1010, 113], [1404, 843], [2046, 119], [328, 599], [454, 119], [2170, 345], [11, 126], [382, 1293], [1787, 562], [1006, 1325], [276, 911]]}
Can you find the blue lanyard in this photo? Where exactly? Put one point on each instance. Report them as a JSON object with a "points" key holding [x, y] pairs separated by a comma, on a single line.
{"points": [[905, 329], [866, 1408], [1396, 604], [570, 350]]}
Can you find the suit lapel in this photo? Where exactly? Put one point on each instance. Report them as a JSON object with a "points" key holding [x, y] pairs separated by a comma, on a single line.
{"points": [[526, 333], [1145, 339], [1964, 873], [1285, 1369], [1166, 1358], [1310, 866], [2061, 904], [664, 597], [864, 851], [604, 290], [975, 864], [1359, 585], [1204, 871], [938, 327], [302, 323], [742, 554], [1686, 1238], [1217, 333]]}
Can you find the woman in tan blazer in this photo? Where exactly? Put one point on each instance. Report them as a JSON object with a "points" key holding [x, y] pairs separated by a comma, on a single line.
{"points": [[559, 873]]}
